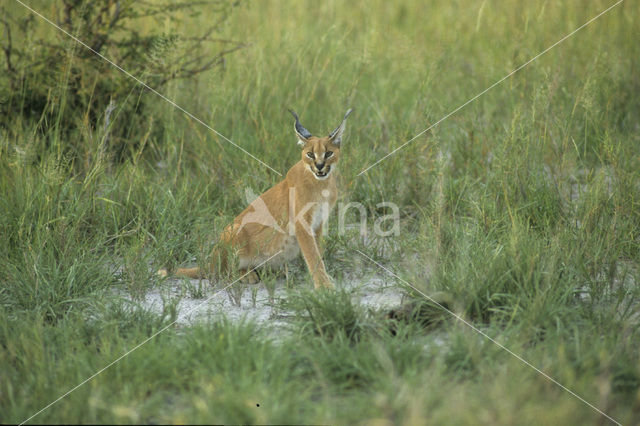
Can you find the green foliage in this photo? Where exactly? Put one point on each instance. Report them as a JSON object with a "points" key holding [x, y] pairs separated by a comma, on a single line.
{"points": [[51, 79], [330, 315]]}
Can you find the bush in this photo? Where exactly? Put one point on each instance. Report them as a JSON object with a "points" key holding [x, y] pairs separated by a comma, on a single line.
{"points": [[66, 88]]}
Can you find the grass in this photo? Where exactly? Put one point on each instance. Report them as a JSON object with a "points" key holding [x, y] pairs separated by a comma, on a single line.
{"points": [[523, 210]]}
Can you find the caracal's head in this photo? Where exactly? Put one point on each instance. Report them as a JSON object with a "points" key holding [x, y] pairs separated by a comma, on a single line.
{"points": [[320, 155]]}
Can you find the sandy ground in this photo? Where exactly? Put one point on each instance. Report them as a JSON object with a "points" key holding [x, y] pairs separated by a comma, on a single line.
{"points": [[197, 301]]}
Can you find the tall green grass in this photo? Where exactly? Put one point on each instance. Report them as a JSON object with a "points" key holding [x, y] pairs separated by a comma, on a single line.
{"points": [[522, 210]]}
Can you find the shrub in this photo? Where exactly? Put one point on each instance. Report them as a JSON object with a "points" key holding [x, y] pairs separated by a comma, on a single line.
{"points": [[66, 88]]}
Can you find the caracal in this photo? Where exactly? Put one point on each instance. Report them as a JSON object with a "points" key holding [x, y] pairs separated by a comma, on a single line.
{"points": [[288, 218]]}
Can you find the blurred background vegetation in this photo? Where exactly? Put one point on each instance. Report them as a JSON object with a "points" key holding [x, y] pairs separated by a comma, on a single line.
{"points": [[522, 208], [68, 90]]}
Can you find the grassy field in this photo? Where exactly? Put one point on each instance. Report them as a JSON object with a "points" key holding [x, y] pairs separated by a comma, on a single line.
{"points": [[522, 210]]}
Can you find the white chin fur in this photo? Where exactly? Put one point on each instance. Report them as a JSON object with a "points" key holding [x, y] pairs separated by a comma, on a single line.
{"points": [[320, 177]]}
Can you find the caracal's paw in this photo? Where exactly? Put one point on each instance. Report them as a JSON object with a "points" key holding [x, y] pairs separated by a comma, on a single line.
{"points": [[250, 278], [162, 273], [323, 281]]}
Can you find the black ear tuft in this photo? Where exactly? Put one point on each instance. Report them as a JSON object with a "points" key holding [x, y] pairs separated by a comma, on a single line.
{"points": [[302, 133], [336, 135]]}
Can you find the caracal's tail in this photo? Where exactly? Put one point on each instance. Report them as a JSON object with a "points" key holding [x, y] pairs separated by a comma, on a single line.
{"points": [[219, 262], [193, 273], [197, 272]]}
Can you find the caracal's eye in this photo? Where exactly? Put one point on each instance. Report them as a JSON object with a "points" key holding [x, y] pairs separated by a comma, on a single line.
{"points": [[328, 154], [310, 155]]}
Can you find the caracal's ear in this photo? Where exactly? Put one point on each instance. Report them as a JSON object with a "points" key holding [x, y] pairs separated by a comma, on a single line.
{"points": [[336, 135], [302, 133]]}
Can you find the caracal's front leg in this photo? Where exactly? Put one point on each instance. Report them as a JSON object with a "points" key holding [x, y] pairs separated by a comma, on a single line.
{"points": [[311, 254], [319, 240]]}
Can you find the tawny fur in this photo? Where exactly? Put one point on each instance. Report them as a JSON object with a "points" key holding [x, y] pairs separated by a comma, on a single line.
{"points": [[288, 218]]}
